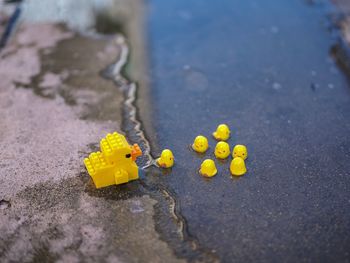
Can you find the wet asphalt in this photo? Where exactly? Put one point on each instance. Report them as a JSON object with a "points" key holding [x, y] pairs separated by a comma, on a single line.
{"points": [[265, 69]]}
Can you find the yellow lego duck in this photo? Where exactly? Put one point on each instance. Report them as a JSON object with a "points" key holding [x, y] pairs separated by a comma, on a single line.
{"points": [[115, 163], [222, 132], [200, 144], [237, 166], [240, 151], [208, 168], [222, 150], [166, 159]]}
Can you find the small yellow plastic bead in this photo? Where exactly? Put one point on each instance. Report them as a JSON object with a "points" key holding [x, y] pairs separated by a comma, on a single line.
{"points": [[222, 150], [222, 132], [166, 159], [208, 168], [240, 151], [237, 166], [200, 144]]}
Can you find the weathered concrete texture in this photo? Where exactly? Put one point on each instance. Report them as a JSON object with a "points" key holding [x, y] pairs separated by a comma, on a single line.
{"points": [[62, 222], [5, 11], [341, 50], [3, 20], [55, 106], [346, 29], [106, 17], [344, 7], [43, 138]]}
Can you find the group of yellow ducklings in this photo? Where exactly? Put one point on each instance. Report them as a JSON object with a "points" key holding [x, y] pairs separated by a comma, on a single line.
{"points": [[222, 151]]}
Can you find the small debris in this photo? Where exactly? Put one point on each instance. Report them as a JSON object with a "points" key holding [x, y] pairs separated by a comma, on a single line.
{"points": [[186, 67], [313, 86], [136, 207], [276, 86], [274, 29], [4, 204]]}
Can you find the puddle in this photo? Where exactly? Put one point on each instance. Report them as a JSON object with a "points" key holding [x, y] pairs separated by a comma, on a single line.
{"points": [[258, 80]]}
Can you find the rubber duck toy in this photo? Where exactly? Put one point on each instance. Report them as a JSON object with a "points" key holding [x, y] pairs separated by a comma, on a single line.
{"points": [[240, 151], [237, 166], [222, 150], [208, 168], [200, 144], [166, 159], [222, 132]]}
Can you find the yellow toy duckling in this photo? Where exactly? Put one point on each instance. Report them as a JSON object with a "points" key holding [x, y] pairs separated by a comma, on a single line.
{"points": [[222, 132], [222, 150], [240, 151], [200, 144], [208, 168], [237, 166], [166, 159]]}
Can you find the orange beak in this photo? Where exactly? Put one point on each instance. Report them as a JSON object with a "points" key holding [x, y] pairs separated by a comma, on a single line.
{"points": [[135, 152]]}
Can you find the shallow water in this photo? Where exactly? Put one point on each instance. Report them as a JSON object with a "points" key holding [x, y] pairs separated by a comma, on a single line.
{"points": [[265, 70]]}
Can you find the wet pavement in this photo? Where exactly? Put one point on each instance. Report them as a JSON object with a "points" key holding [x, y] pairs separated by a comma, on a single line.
{"points": [[266, 70]]}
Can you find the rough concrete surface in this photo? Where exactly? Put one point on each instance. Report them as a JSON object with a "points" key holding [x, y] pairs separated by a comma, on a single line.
{"points": [[55, 106], [345, 27], [344, 7], [3, 20], [341, 50]]}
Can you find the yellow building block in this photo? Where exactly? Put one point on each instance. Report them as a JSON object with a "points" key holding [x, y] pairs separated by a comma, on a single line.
{"points": [[121, 177], [115, 164]]}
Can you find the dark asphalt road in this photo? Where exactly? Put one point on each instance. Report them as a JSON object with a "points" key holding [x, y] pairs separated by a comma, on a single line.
{"points": [[265, 69]]}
